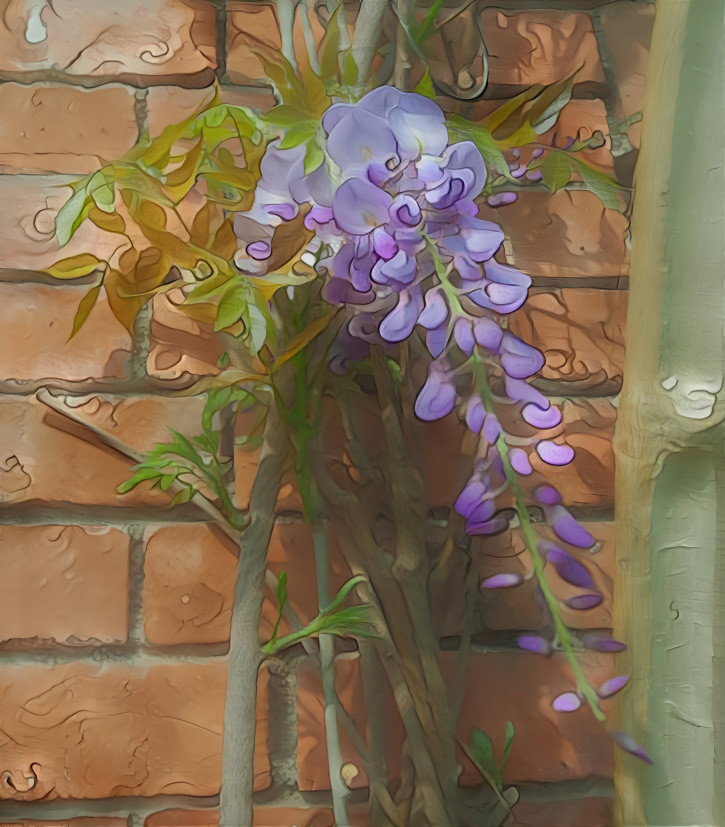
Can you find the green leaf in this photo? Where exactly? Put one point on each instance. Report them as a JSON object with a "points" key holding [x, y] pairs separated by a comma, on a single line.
{"points": [[84, 308], [349, 70], [71, 215], [425, 85], [556, 169], [232, 305], [314, 156], [101, 189], [75, 267], [298, 134], [482, 749], [508, 743], [285, 116], [282, 590], [257, 329], [329, 62], [598, 182]]}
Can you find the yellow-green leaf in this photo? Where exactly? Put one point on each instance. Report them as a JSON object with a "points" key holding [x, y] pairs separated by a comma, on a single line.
{"points": [[75, 267], [425, 85], [84, 308]]}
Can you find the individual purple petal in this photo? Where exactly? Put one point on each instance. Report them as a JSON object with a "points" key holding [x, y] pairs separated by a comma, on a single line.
{"points": [[399, 323], [502, 581], [419, 126], [473, 493], [501, 199], [463, 334], [450, 190], [435, 310], [405, 211], [554, 454], [360, 140], [381, 100], [597, 643], [401, 268], [437, 397], [482, 512], [543, 420], [430, 169], [284, 211], [520, 391], [547, 495], [259, 250], [494, 526], [518, 359], [488, 334], [566, 702], [491, 428], [436, 340], [360, 206], [612, 686], [482, 238], [317, 216], [384, 244], [582, 602], [628, 744], [534, 643], [567, 528], [569, 568], [475, 414], [466, 157], [340, 291], [520, 461]]}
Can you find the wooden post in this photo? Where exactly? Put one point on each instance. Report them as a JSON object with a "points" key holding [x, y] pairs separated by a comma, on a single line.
{"points": [[670, 441]]}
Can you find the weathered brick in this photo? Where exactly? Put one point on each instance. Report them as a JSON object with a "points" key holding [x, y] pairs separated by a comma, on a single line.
{"points": [[35, 323], [62, 129], [627, 28], [540, 47], [263, 817], [26, 224], [568, 234], [92, 821], [578, 121], [67, 584], [588, 426], [581, 812], [520, 687], [251, 25], [581, 334], [39, 461], [141, 40], [92, 732]]}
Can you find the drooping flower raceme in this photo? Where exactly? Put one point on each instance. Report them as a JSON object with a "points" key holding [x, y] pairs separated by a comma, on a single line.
{"points": [[400, 245]]}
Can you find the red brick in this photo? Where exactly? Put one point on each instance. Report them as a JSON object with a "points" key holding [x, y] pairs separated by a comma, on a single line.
{"points": [[99, 821], [579, 120], [38, 461], [581, 334], [35, 323], [520, 687], [581, 812], [61, 129], [64, 583], [251, 25], [139, 40], [568, 234], [627, 29], [26, 224], [540, 47], [93, 732], [263, 817]]}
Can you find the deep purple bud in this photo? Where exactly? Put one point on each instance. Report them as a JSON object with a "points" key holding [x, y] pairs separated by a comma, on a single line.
{"points": [[518, 359], [384, 243], [491, 428], [612, 686], [475, 413], [520, 461], [482, 513], [436, 340], [503, 581], [570, 569], [582, 602], [567, 702], [473, 493], [628, 744], [259, 250], [554, 454], [567, 528], [534, 643], [597, 643], [547, 495], [493, 526], [540, 419]]}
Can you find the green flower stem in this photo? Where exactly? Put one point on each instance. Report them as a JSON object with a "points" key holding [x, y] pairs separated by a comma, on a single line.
{"points": [[562, 632]]}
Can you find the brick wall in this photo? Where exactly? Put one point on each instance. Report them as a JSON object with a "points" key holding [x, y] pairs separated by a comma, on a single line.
{"points": [[114, 612]]}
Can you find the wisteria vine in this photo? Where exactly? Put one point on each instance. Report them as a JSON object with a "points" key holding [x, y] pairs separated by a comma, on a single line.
{"points": [[391, 203]]}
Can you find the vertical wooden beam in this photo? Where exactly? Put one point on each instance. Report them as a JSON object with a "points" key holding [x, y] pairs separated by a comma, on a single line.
{"points": [[670, 595]]}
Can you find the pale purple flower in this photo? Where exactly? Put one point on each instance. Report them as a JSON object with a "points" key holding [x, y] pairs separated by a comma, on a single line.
{"points": [[554, 454], [503, 581], [566, 702]]}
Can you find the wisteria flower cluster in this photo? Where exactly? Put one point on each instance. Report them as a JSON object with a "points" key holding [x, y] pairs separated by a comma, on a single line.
{"points": [[397, 237]]}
